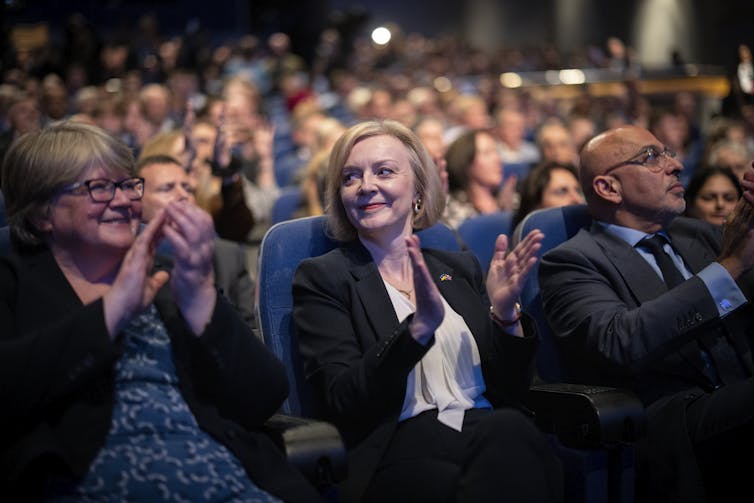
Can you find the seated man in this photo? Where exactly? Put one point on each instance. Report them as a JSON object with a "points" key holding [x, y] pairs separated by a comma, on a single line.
{"points": [[165, 180], [673, 324]]}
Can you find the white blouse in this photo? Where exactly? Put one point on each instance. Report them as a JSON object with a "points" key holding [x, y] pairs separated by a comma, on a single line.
{"points": [[449, 376]]}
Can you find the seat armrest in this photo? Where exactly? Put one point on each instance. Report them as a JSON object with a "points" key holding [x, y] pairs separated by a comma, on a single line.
{"points": [[314, 447], [584, 416]]}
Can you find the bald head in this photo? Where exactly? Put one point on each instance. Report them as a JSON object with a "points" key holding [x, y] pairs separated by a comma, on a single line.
{"points": [[623, 185], [608, 149]]}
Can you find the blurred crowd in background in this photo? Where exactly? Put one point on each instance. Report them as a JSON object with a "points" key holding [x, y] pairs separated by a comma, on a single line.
{"points": [[192, 95]]}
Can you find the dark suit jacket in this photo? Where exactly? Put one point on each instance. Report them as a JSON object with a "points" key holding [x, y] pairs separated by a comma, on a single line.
{"points": [[617, 324], [57, 381], [232, 277], [357, 356]]}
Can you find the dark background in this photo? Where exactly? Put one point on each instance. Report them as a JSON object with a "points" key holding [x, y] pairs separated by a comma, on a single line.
{"points": [[716, 26]]}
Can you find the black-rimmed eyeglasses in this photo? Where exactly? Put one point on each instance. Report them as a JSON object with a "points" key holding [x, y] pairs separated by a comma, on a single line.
{"points": [[102, 190], [649, 157]]}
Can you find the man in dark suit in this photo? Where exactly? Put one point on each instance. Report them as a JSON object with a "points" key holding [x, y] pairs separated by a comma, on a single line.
{"points": [[165, 180], [672, 323]]}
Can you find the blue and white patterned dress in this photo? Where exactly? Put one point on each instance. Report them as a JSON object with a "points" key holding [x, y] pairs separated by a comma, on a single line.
{"points": [[155, 450]]}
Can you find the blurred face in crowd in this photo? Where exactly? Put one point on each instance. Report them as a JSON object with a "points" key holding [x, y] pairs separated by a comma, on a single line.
{"points": [[24, 116], [733, 159], [203, 138], [163, 184], [715, 200], [486, 169], [511, 127], [557, 145], [476, 116], [563, 189], [430, 133]]}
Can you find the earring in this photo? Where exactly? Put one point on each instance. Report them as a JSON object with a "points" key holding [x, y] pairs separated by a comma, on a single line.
{"points": [[417, 206]]}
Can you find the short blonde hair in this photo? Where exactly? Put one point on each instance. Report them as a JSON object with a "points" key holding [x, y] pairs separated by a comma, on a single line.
{"points": [[39, 163], [426, 176]]}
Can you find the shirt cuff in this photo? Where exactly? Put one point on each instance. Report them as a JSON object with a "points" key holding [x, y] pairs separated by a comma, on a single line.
{"points": [[724, 290]]}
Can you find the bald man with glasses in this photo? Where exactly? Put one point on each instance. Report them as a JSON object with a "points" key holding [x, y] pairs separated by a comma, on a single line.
{"points": [[661, 304]]}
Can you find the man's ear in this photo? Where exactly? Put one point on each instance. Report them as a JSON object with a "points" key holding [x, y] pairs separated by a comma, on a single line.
{"points": [[608, 188]]}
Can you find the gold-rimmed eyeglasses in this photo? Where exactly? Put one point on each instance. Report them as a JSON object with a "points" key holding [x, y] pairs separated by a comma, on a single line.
{"points": [[650, 157]]}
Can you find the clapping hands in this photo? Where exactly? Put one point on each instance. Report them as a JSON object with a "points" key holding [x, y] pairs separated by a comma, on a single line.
{"points": [[191, 233], [737, 254], [508, 271]]}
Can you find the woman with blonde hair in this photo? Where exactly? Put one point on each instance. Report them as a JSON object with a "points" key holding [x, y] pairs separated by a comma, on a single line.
{"points": [[421, 364]]}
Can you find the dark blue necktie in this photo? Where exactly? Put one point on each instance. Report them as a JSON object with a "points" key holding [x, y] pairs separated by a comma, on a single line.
{"points": [[670, 272]]}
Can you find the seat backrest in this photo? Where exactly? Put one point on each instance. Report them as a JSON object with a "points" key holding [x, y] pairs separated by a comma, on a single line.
{"points": [[286, 204], [558, 225], [283, 247], [520, 169], [480, 232]]}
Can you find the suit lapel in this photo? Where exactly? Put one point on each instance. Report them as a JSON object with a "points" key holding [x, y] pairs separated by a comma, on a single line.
{"points": [[376, 301], [458, 293], [638, 275], [371, 290], [689, 247]]}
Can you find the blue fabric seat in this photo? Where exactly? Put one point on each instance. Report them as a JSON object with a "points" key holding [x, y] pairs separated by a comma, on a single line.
{"points": [[286, 204], [480, 232]]}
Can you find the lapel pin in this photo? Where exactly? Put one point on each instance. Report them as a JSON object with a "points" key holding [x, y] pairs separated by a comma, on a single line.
{"points": [[445, 277]]}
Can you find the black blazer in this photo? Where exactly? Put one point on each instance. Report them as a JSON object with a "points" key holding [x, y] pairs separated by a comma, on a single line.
{"points": [[617, 324], [57, 381], [357, 356]]}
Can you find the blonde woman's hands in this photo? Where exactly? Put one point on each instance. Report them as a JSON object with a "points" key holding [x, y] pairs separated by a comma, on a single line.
{"points": [[429, 309], [508, 271]]}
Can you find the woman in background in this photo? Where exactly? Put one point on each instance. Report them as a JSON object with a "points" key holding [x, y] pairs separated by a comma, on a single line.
{"points": [[712, 194], [475, 178], [548, 185]]}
